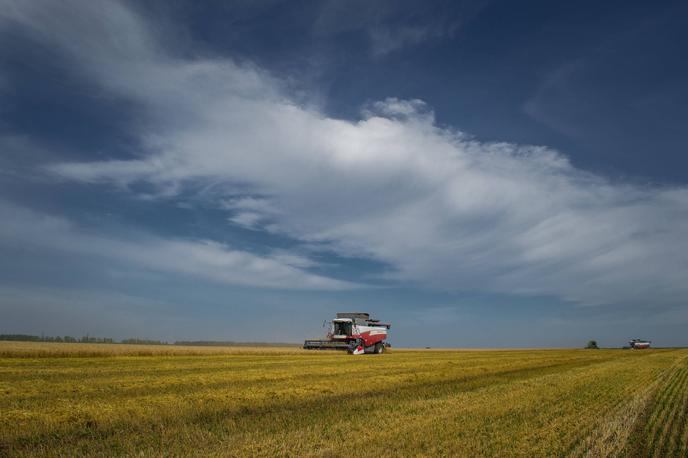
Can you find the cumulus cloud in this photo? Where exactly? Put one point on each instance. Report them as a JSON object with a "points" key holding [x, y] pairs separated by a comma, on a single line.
{"points": [[441, 209]]}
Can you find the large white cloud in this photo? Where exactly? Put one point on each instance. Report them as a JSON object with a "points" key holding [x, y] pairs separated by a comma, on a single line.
{"points": [[441, 209]]}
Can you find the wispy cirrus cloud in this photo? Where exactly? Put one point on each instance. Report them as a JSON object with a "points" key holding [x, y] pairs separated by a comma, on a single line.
{"points": [[392, 26], [441, 209]]}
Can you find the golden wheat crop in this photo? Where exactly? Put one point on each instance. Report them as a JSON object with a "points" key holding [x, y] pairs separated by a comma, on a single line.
{"points": [[155, 401], [79, 350]]}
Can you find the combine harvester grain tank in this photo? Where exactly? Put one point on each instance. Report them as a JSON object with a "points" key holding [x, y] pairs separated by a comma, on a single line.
{"points": [[354, 332]]}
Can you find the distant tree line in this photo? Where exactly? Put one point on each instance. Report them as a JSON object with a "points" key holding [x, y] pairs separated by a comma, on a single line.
{"points": [[89, 339], [143, 342], [84, 339], [30, 338]]}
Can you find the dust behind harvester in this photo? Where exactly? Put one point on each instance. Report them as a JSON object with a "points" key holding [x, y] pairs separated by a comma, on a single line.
{"points": [[355, 332]]}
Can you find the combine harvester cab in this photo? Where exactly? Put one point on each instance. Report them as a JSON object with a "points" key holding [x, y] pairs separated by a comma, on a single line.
{"points": [[356, 333]]}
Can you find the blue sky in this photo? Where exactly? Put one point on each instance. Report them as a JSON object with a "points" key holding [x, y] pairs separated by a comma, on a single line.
{"points": [[477, 173]]}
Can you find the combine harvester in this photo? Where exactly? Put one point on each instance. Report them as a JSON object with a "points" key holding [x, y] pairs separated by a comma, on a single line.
{"points": [[356, 333], [639, 344]]}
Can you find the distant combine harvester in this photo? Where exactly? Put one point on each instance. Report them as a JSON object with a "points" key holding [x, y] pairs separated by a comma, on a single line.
{"points": [[639, 344]]}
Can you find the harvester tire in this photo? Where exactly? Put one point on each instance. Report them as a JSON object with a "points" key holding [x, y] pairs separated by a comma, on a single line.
{"points": [[379, 348], [357, 343]]}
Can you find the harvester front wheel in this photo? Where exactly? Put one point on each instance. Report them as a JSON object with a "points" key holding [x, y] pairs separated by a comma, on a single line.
{"points": [[379, 348], [355, 345]]}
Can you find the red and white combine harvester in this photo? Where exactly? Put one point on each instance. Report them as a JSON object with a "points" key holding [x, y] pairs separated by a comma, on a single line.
{"points": [[639, 344], [356, 333]]}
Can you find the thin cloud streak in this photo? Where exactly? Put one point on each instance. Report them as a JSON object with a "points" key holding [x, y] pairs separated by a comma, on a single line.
{"points": [[203, 259]]}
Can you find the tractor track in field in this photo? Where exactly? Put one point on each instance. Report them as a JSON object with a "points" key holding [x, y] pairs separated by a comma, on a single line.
{"points": [[652, 435], [611, 437]]}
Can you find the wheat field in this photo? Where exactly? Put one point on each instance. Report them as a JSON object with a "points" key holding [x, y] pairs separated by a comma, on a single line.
{"points": [[116, 400]]}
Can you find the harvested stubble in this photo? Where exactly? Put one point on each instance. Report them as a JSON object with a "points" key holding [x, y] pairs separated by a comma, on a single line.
{"points": [[267, 402]]}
